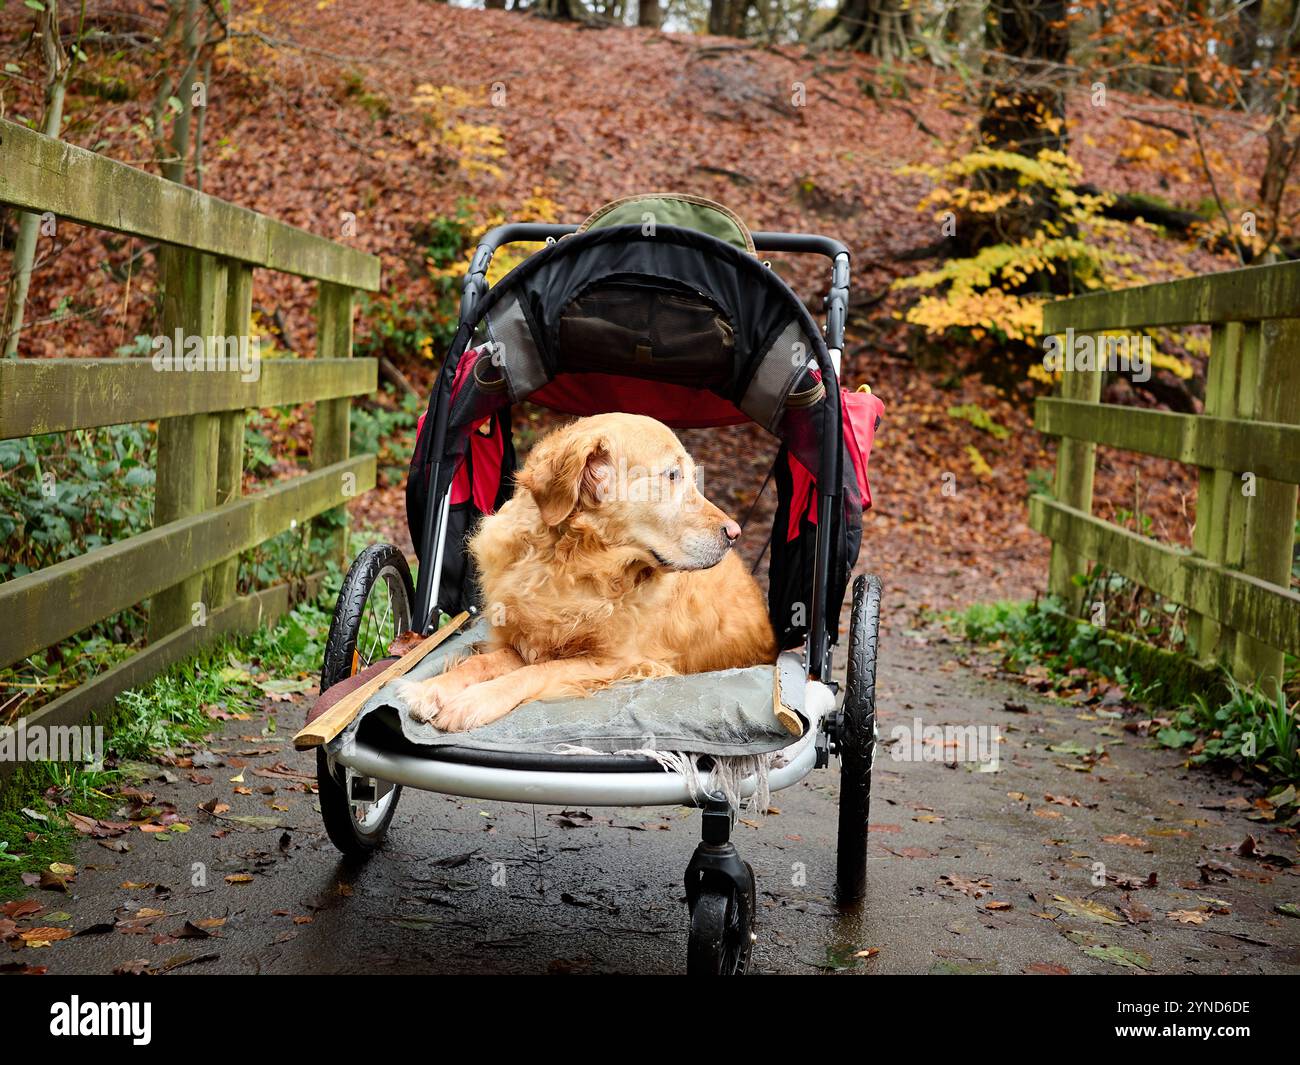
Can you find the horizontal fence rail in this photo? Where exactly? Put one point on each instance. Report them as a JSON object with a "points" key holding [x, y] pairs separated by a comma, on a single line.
{"points": [[42, 174], [1264, 448], [207, 252], [55, 395], [1253, 294], [1264, 611], [55, 602], [1236, 579]]}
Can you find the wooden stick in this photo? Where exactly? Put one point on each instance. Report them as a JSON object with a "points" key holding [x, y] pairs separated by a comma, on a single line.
{"points": [[340, 715], [788, 718]]}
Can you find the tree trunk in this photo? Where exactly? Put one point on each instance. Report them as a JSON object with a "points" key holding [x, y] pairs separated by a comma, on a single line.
{"points": [[1024, 108], [649, 14], [568, 10], [727, 17], [174, 168], [966, 28], [883, 28], [495, 5], [1274, 93], [1023, 112], [58, 67]]}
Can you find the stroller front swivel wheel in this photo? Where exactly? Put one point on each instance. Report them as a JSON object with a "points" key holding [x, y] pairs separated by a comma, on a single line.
{"points": [[721, 938], [373, 608], [721, 897]]}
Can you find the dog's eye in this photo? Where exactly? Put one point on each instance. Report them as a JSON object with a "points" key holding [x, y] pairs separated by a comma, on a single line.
{"points": [[675, 474]]}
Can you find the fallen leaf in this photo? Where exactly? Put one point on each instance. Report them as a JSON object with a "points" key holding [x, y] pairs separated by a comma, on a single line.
{"points": [[33, 936], [1134, 912], [1092, 911], [976, 889], [1125, 840], [22, 908]]}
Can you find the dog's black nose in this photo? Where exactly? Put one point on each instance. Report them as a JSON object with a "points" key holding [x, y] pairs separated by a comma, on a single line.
{"points": [[731, 531]]}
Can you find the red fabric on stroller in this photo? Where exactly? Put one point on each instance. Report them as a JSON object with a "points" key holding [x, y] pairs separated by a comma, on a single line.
{"points": [[863, 412], [587, 393]]}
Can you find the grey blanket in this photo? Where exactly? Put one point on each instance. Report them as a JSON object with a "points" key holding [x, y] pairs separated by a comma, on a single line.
{"points": [[730, 712]]}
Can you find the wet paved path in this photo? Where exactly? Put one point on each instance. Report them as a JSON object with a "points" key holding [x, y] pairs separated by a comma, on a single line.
{"points": [[971, 871]]}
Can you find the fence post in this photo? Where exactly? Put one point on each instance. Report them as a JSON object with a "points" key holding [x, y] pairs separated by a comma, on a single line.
{"points": [[1220, 507], [331, 421], [1268, 538], [194, 291], [1075, 465], [230, 424]]}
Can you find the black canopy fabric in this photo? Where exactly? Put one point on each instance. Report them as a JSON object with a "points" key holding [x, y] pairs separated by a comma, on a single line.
{"points": [[666, 314]]}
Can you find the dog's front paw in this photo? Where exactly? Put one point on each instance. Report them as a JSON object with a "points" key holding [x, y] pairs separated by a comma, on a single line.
{"points": [[456, 714], [422, 699], [476, 706]]}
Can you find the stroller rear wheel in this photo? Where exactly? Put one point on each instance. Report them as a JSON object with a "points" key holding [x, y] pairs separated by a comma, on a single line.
{"points": [[856, 741], [373, 608]]}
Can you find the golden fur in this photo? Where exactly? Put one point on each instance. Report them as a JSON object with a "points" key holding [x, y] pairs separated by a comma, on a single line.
{"points": [[608, 565]]}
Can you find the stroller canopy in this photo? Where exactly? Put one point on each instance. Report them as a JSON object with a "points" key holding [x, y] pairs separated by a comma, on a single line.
{"points": [[651, 319]]}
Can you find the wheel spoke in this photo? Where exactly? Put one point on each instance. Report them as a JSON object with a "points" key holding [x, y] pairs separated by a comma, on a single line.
{"points": [[378, 635]]}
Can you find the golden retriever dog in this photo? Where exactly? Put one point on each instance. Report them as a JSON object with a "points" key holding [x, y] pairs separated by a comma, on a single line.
{"points": [[607, 564]]}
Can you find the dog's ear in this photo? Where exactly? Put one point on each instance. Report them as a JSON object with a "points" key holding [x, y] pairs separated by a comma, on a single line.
{"points": [[564, 468]]}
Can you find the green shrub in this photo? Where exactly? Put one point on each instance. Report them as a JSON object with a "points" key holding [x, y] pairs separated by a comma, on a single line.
{"points": [[64, 494]]}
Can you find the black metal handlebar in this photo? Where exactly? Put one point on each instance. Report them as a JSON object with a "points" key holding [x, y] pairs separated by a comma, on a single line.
{"points": [[836, 301]]}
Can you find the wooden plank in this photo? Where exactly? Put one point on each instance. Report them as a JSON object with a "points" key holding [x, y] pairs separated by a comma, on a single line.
{"points": [[1220, 516], [1075, 463], [1267, 449], [224, 576], [38, 173], [1240, 601], [242, 615], [55, 395], [193, 304], [1269, 537], [1249, 294], [332, 419], [337, 717], [52, 603]]}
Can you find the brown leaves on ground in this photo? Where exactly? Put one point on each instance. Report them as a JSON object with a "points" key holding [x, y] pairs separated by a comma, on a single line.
{"points": [[976, 889], [357, 112]]}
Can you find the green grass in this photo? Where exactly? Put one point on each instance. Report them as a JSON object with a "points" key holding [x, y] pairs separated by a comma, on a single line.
{"points": [[1216, 720], [168, 713], [29, 844], [1250, 730]]}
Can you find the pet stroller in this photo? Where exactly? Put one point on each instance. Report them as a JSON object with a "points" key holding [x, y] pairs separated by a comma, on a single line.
{"points": [[660, 306]]}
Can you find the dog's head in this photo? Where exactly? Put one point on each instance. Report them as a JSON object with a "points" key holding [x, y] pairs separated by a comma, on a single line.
{"points": [[627, 480]]}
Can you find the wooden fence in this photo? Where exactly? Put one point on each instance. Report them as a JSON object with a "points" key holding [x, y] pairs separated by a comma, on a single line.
{"points": [[1235, 582], [186, 565]]}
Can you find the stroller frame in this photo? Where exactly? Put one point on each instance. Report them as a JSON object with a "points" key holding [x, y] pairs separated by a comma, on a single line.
{"points": [[475, 287], [360, 781]]}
